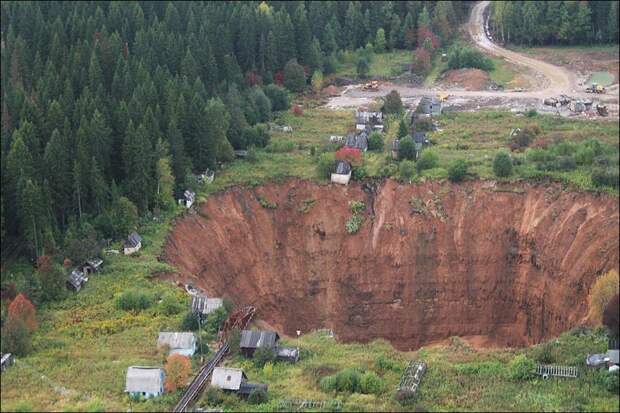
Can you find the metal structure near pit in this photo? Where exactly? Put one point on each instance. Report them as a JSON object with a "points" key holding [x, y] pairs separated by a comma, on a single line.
{"points": [[412, 376], [547, 371]]}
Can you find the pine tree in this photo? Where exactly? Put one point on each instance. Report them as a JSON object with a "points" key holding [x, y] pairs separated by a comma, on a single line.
{"points": [[165, 180], [380, 41], [612, 29], [303, 36], [137, 153], [238, 122], [57, 160], [217, 146]]}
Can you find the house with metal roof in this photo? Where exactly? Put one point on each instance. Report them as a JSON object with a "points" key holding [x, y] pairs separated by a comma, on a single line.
{"points": [[145, 382], [178, 343], [234, 380], [429, 106], [6, 361], [613, 352], [133, 243], [290, 354], [76, 280], [203, 305], [342, 173], [254, 339], [358, 141], [92, 265], [365, 118], [188, 198]]}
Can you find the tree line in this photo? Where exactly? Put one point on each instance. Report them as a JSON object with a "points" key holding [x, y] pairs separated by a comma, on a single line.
{"points": [[555, 22]]}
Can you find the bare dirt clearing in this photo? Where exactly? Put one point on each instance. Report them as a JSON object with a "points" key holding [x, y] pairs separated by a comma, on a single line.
{"points": [[512, 265]]}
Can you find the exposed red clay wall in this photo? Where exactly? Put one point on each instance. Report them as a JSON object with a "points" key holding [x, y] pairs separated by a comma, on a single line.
{"points": [[509, 268]]}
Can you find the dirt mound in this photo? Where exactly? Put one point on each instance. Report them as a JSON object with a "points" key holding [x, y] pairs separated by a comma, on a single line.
{"points": [[468, 79], [431, 261]]}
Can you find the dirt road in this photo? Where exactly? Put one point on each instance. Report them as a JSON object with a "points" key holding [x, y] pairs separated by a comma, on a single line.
{"points": [[558, 80]]}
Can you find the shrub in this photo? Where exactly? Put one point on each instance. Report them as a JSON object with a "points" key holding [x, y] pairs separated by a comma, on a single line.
{"points": [[375, 142], [403, 130], [52, 276], [325, 165], [457, 170], [233, 341], [370, 383], [423, 125], [257, 135], [521, 368], [363, 67], [405, 397], [177, 369], [215, 320], [388, 170], [170, 304], [264, 355], [281, 147], [607, 380], [21, 308], [384, 363], [428, 160], [461, 56], [611, 316], [406, 148], [406, 170], [252, 157], [531, 113], [328, 383], [16, 337], [298, 110], [545, 354], [393, 103], [604, 289], [95, 405], [348, 380], [565, 163], [190, 322], [214, 395], [502, 164], [294, 76], [133, 300], [352, 155], [605, 177], [354, 223], [278, 97], [257, 396], [357, 206], [523, 138]]}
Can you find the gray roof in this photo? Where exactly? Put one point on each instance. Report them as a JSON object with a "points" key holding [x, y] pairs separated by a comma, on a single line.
{"points": [[419, 137], [425, 105], [256, 339], [94, 262], [204, 305], [133, 240], [144, 379], [76, 278], [176, 340], [359, 141], [241, 153], [189, 195], [247, 388], [227, 378], [288, 353], [343, 167]]}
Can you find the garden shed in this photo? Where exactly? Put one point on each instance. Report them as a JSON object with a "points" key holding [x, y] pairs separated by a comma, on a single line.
{"points": [[342, 173], [204, 305], [133, 243], [179, 343], [254, 339], [145, 381], [76, 280]]}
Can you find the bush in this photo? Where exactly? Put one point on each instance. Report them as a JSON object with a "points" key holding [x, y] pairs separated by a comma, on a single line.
{"points": [[348, 380], [388, 170], [281, 147], [521, 368], [604, 289], [531, 113], [294, 76], [278, 96], [16, 337], [457, 170], [214, 395], [359, 172], [264, 355], [523, 138], [607, 380], [375, 142], [215, 320], [406, 170], [170, 304], [545, 354], [177, 369], [370, 383], [605, 177], [393, 103], [325, 165], [384, 363], [257, 396], [190, 322], [328, 383], [133, 300], [461, 56], [257, 135], [363, 67], [502, 164], [298, 110], [403, 129], [405, 397], [428, 160], [565, 163], [354, 223], [406, 149]]}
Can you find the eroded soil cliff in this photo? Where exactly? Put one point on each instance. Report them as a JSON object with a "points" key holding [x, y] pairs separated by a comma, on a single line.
{"points": [[509, 267]]}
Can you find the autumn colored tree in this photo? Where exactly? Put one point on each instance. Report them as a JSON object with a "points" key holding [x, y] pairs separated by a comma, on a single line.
{"points": [[22, 308], [352, 155], [610, 316], [604, 289], [177, 369]]}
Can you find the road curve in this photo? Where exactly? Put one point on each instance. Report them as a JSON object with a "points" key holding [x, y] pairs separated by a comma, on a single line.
{"points": [[559, 80]]}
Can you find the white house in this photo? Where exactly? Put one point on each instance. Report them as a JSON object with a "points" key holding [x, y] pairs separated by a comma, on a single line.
{"points": [[145, 381], [188, 198], [342, 175], [133, 243], [178, 343]]}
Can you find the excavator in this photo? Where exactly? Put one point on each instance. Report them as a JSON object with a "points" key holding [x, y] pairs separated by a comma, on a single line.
{"points": [[372, 86], [595, 88]]}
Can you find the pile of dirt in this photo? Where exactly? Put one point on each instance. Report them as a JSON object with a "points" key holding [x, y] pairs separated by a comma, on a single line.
{"points": [[467, 79], [508, 266]]}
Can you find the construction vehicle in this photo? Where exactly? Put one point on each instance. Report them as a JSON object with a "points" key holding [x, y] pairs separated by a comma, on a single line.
{"points": [[443, 97], [595, 88], [602, 110], [372, 86]]}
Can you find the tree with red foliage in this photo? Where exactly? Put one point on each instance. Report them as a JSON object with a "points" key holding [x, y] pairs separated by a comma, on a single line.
{"points": [[251, 78], [421, 61], [611, 316], [44, 263], [177, 372], [298, 110], [278, 78], [351, 155], [22, 308], [426, 33]]}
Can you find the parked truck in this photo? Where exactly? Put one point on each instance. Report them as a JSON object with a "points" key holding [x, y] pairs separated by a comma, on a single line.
{"points": [[595, 88]]}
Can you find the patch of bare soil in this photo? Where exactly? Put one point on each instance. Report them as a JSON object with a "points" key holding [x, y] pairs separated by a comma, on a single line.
{"points": [[507, 266], [465, 79]]}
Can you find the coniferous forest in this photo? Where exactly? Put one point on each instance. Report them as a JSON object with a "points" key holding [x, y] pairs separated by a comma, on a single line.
{"points": [[107, 107]]}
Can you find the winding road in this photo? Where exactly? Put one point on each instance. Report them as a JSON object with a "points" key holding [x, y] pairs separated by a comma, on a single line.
{"points": [[557, 80]]}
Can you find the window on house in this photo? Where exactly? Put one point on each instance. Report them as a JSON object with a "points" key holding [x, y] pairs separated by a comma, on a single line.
{"points": [[228, 378]]}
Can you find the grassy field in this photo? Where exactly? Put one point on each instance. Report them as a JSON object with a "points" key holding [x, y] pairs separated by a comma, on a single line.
{"points": [[383, 65], [503, 73], [85, 344]]}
